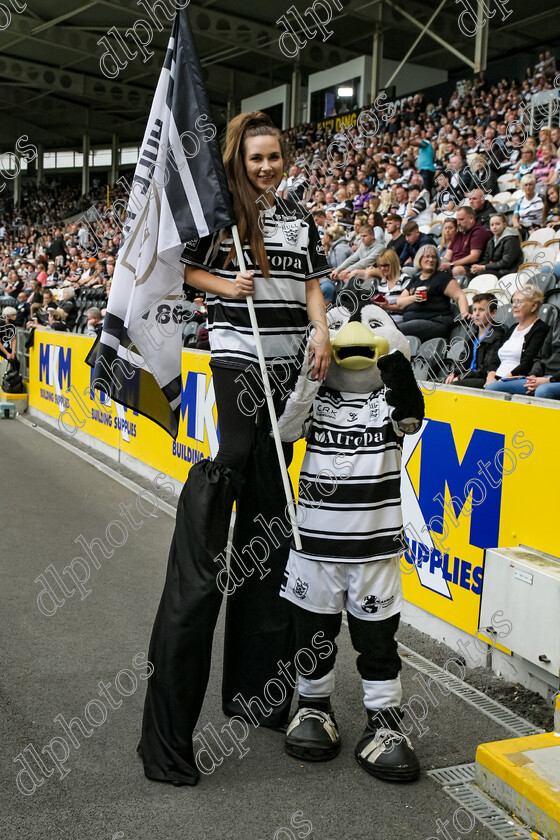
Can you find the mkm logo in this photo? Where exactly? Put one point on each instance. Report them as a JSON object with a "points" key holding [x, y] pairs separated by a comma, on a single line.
{"points": [[197, 402], [55, 365], [478, 476]]}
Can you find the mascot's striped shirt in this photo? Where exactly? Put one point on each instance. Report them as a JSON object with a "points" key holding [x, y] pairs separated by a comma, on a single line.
{"points": [[295, 255], [349, 502]]}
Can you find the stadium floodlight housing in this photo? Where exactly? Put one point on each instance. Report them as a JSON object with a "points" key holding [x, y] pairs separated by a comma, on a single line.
{"points": [[345, 91]]}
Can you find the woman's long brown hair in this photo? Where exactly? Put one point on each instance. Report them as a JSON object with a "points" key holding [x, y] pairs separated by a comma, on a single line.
{"points": [[251, 124]]}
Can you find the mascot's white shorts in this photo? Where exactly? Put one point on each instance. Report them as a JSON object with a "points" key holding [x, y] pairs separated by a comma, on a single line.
{"points": [[370, 591]]}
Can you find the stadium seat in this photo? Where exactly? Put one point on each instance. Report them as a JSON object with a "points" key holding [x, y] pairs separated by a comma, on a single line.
{"points": [[457, 352], [504, 316], [553, 296], [434, 352], [542, 235], [436, 228], [501, 197], [507, 181], [553, 247], [190, 333], [503, 208], [414, 344], [530, 247], [461, 329], [549, 314], [482, 282], [421, 368], [540, 189]]}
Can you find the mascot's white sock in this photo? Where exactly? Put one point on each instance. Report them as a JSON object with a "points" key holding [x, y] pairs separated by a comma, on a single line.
{"points": [[318, 689], [381, 694]]}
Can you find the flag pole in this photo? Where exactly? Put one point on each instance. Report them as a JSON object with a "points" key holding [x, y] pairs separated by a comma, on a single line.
{"points": [[268, 392]]}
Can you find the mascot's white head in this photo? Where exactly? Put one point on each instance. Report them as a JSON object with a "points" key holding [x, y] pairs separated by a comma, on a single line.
{"points": [[360, 332]]}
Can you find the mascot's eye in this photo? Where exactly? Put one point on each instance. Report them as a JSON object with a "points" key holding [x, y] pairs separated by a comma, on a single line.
{"points": [[335, 325], [373, 323]]}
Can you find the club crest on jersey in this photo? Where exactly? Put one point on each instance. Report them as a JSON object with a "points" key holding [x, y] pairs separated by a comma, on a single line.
{"points": [[326, 410], [372, 604], [300, 589], [291, 232], [374, 410]]}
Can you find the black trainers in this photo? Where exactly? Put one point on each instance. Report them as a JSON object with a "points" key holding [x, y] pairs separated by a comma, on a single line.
{"points": [[384, 751], [313, 735]]}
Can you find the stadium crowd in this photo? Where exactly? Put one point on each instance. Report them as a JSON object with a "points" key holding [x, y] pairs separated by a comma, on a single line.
{"points": [[431, 204]]}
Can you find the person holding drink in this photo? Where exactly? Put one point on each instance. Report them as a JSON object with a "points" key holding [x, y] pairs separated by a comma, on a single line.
{"points": [[426, 302]]}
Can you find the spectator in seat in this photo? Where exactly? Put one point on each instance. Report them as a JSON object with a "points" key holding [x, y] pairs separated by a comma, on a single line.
{"points": [[502, 254], [522, 342], [448, 231], [546, 165], [354, 237], [527, 163], [393, 223], [94, 322], [393, 281], [543, 379], [467, 245], [337, 248], [42, 276], [365, 256], [427, 314], [551, 208], [363, 196], [418, 207], [483, 209], [320, 219], [527, 215], [401, 200], [55, 321], [69, 306], [483, 340], [414, 241]]}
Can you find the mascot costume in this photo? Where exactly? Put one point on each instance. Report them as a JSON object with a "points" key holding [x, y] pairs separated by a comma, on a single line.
{"points": [[351, 529]]}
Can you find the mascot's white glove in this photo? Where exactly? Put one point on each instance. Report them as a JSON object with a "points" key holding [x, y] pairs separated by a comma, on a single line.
{"points": [[298, 405]]}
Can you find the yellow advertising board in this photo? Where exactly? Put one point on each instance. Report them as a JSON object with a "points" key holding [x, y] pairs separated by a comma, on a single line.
{"points": [[480, 474], [60, 386]]}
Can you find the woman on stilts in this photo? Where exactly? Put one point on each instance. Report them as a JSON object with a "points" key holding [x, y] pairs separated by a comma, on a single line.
{"points": [[285, 259]]}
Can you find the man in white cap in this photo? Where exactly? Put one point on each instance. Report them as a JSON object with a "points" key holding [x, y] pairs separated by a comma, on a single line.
{"points": [[8, 333]]}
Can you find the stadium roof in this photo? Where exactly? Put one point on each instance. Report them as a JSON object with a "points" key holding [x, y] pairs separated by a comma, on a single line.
{"points": [[52, 86]]}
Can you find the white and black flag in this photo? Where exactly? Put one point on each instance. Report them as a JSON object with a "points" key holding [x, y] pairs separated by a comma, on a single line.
{"points": [[179, 194]]}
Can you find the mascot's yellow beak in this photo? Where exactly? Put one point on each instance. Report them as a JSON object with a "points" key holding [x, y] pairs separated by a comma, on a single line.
{"points": [[356, 347]]}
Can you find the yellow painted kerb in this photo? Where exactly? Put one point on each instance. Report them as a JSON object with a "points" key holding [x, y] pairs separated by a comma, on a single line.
{"points": [[509, 760]]}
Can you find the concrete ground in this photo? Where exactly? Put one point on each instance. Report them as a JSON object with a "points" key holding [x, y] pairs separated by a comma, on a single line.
{"points": [[52, 665]]}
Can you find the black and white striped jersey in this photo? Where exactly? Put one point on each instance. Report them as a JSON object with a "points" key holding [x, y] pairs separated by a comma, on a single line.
{"points": [[295, 255], [349, 502]]}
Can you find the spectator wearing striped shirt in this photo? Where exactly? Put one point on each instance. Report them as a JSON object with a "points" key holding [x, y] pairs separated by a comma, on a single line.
{"points": [[527, 215], [546, 165]]}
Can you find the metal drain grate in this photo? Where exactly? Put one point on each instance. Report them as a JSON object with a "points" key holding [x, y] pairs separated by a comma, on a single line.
{"points": [[457, 775], [498, 821], [490, 708]]}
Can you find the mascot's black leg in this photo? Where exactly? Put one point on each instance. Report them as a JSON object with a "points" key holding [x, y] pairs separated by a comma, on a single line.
{"points": [[383, 750], [259, 633], [313, 734], [181, 643]]}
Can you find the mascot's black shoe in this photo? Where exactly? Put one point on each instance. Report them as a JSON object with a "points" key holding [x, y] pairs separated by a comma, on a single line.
{"points": [[384, 751], [313, 735]]}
